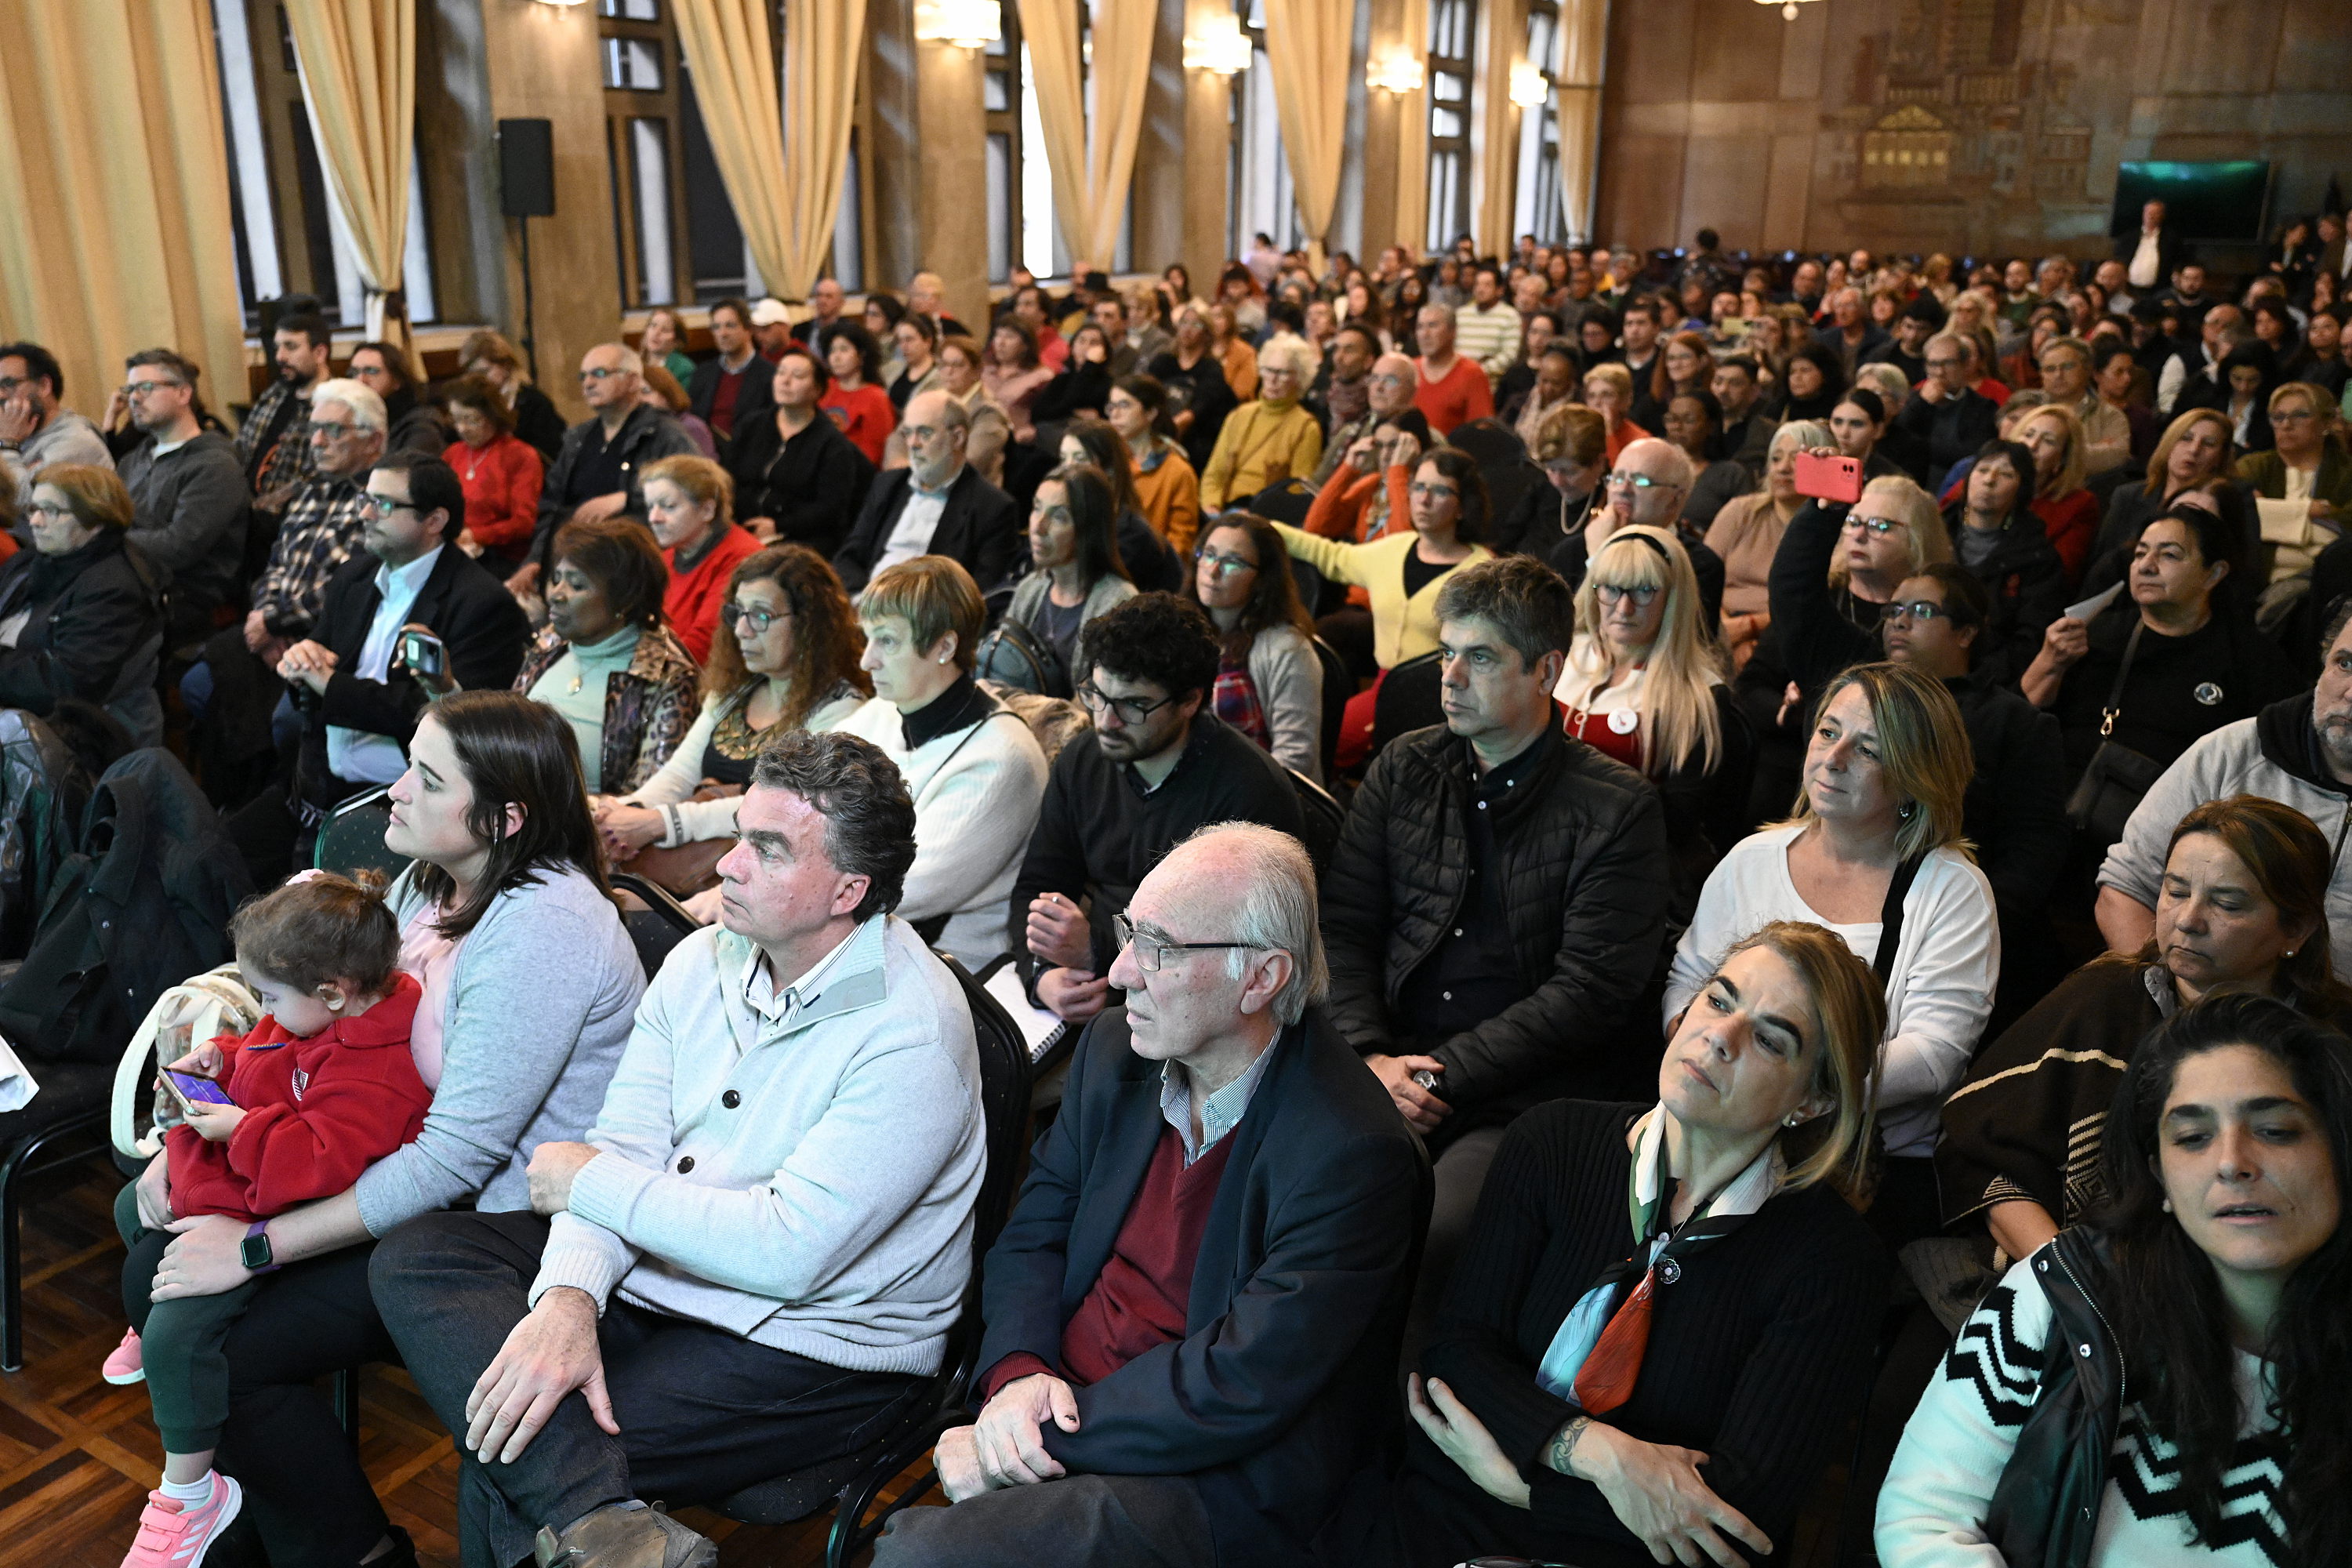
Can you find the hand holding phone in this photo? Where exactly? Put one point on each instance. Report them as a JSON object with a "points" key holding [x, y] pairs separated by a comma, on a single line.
{"points": [[191, 1092], [1829, 476], [424, 654]]}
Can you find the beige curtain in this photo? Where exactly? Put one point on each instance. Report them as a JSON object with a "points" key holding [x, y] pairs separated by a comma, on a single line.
{"points": [[113, 165], [1583, 54], [1503, 35], [1308, 45], [358, 79], [786, 189], [1412, 135], [1091, 174]]}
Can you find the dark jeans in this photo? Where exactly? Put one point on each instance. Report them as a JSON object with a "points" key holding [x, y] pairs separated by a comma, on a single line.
{"points": [[703, 1412], [1113, 1521], [182, 1343]]}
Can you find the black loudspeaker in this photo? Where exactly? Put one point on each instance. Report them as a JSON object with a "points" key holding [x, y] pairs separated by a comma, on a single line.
{"points": [[526, 168]]}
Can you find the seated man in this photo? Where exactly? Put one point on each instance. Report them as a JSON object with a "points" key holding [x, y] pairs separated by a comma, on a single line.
{"points": [[37, 430], [1496, 902], [362, 696], [596, 474], [1155, 768], [1651, 486], [1193, 1313], [761, 1246], [187, 493], [937, 505]]}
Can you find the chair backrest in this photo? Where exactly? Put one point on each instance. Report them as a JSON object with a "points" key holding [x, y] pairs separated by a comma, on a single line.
{"points": [[1338, 686], [1324, 816], [1408, 700], [1004, 1107], [1507, 484], [1490, 443], [1287, 502], [656, 921], [351, 838]]}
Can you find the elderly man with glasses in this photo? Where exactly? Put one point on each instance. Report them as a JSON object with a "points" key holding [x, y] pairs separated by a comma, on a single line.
{"points": [[1650, 484], [1950, 414], [187, 490], [599, 472], [1193, 1313], [1156, 766], [939, 504]]}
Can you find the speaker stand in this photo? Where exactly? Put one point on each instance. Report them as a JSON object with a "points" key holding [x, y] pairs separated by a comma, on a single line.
{"points": [[529, 331]]}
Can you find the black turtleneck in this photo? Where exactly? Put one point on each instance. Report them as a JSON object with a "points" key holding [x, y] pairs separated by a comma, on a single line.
{"points": [[960, 706]]}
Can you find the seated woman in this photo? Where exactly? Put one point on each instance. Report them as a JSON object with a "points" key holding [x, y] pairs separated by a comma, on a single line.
{"points": [[1828, 594], [918, 340], [530, 985], [798, 480], [661, 390], [1874, 852], [2193, 454], [785, 658], [2061, 498], [81, 612], [1747, 534], [1081, 391], [1077, 574], [1554, 385], [1645, 683], [2165, 1383], [1010, 371], [2242, 907], [1996, 535], [1267, 440], [1646, 1291], [1693, 420], [855, 401], [1570, 446], [607, 661], [1858, 424], [1200, 398], [502, 475], [1402, 570], [2303, 486], [1167, 491], [1609, 392], [974, 770], [1151, 565], [690, 503], [1812, 382], [2172, 658], [881, 315], [1269, 679]]}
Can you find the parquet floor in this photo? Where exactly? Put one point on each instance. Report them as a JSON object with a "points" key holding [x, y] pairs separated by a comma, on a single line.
{"points": [[77, 1455]]}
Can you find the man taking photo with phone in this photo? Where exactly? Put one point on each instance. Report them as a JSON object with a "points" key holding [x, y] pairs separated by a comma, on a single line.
{"points": [[392, 613]]}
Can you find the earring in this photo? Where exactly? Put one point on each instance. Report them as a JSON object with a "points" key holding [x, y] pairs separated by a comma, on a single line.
{"points": [[1906, 809], [1791, 1119], [2290, 952], [2168, 1205]]}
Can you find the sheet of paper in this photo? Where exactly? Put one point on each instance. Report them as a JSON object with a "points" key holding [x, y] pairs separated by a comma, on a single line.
{"points": [[2091, 606], [17, 1084], [1037, 1026]]}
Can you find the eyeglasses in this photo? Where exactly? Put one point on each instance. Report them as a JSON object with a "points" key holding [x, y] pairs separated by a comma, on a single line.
{"points": [[759, 615], [1945, 363], [1632, 482], [1130, 710], [385, 506], [1422, 490], [602, 373], [1226, 566], [1877, 526], [333, 431], [1152, 952], [141, 388], [1610, 593], [1915, 610], [43, 508]]}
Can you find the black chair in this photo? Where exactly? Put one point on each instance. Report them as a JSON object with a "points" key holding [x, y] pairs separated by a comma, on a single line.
{"points": [[1408, 700], [1288, 501], [1324, 816], [1338, 686], [351, 838], [857, 1480], [655, 920], [66, 1121]]}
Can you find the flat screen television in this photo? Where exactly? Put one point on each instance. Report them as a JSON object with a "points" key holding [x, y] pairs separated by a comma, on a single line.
{"points": [[2202, 201]]}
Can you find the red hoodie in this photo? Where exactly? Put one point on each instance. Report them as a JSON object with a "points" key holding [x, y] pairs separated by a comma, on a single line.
{"points": [[320, 1111]]}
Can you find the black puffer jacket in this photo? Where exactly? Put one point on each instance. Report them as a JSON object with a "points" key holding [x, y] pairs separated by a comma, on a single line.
{"points": [[95, 630], [43, 792], [1582, 852], [2027, 583]]}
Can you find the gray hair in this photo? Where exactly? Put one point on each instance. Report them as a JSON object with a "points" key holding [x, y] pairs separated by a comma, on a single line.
{"points": [[1276, 909], [1434, 307], [1953, 342], [869, 818], [367, 408], [631, 360], [1888, 381], [1287, 354]]}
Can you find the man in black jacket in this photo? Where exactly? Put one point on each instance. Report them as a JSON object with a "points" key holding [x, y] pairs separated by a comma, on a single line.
{"points": [[1154, 768], [1950, 414], [360, 697], [1192, 1314], [937, 505], [737, 385], [187, 490], [595, 474], [1498, 898]]}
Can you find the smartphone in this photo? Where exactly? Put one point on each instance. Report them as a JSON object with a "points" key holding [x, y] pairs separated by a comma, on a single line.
{"points": [[1828, 478], [192, 1091], [424, 653]]}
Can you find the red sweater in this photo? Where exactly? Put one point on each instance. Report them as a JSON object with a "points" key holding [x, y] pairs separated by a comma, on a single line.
{"points": [[1143, 1295], [502, 484], [1458, 397], [2072, 523], [865, 416], [692, 599], [320, 1111]]}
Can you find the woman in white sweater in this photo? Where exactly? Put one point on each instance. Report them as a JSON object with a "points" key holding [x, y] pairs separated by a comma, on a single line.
{"points": [[975, 772], [1885, 766]]}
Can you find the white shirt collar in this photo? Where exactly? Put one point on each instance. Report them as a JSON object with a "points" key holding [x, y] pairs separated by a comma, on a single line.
{"points": [[410, 577], [760, 982]]}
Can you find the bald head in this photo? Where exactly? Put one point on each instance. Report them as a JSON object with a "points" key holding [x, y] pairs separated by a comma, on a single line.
{"points": [[1658, 503], [937, 428], [1390, 388]]}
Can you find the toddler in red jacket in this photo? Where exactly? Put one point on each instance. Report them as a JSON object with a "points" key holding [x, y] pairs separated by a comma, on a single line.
{"points": [[322, 1086]]}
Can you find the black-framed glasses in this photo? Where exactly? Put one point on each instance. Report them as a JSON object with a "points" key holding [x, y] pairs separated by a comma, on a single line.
{"points": [[385, 506], [1610, 593], [1152, 952], [759, 615], [1130, 710], [1922, 610]]}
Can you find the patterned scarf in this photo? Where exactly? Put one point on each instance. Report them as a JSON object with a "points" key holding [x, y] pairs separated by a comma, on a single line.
{"points": [[1234, 700]]}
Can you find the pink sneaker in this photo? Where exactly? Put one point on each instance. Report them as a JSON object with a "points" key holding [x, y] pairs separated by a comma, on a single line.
{"points": [[122, 1366], [172, 1534]]}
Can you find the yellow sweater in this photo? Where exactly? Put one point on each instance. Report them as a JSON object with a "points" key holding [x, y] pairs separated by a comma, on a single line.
{"points": [[1403, 627], [1260, 445]]}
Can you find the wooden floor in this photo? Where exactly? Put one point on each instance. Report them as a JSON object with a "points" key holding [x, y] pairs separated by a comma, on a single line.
{"points": [[78, 1455]]}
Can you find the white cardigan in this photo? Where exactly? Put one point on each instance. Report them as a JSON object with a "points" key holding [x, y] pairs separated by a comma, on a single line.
{"points": [[688, 820], [976, 790], [1938, 996]]}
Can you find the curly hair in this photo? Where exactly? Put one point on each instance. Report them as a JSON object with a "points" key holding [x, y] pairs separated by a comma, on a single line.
{"points": [[826, 642], [1155, 637]]}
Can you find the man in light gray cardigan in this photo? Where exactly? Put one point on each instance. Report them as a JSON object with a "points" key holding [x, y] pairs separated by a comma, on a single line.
{"points": [[757, 1256]]}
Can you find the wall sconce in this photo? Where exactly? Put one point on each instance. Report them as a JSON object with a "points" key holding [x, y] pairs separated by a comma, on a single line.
{"points": [[965, 23], [1223, 49], [1528, 89], [1787, 7], [1399, 72], [561, 2]]}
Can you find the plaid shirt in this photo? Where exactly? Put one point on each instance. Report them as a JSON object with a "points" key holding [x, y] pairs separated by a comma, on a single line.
{"points": [[289, 460], [320, 532]]}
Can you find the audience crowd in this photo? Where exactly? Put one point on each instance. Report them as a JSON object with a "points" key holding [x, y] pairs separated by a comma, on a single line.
{"points": [[1535, 810]]}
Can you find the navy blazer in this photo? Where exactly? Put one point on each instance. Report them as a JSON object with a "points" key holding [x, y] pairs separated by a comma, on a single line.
{"points": [[979, 527], [1284, 1381]]}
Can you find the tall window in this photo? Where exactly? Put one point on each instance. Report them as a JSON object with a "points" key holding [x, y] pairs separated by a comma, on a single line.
{"points": [[1452, 35], [289, 237], [1006, 100], [1262, 200], [674, 230], [1538, 183]]}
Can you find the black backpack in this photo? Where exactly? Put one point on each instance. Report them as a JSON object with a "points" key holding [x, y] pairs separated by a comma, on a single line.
{"points": [[1013, 656]]}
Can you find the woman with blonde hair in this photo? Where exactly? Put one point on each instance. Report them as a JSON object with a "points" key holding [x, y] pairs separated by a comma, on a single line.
{"points": [[1645, 683], [1268, 440], [1747, 534], [2193, 454], [690, 505], [1609, 392], [1874, 852], [2061, 498], [1645, 1281]]}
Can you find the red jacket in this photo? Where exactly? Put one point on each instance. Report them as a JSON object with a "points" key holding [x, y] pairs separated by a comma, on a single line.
{"points": [[866, 415], [502, 483], [320, 1111], [692, 599]]}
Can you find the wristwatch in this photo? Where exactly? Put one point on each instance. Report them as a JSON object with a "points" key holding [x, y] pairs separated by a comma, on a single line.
{"points": [[255, 1249]]}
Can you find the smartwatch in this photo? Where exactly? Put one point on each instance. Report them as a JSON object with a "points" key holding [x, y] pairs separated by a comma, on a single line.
{"points": [[255, 1249]]}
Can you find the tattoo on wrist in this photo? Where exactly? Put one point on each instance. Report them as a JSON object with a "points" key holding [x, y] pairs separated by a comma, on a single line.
{"points": [[1562, 1446]]}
